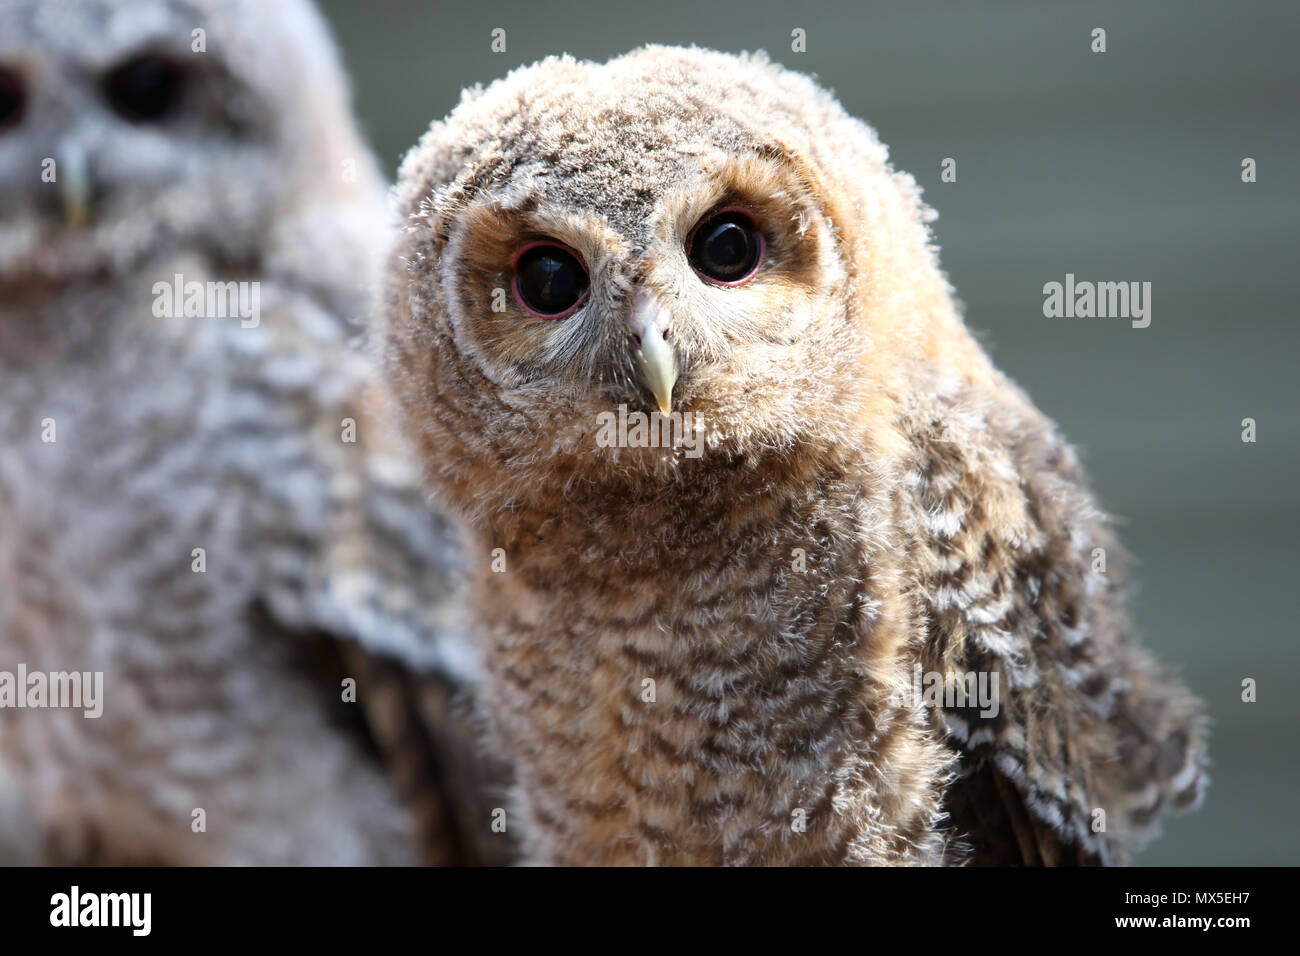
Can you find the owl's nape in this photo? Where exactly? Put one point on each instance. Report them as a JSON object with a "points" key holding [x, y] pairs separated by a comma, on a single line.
{"points": [[708, 659]]}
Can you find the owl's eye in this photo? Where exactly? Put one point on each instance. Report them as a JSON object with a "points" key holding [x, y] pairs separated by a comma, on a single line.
{"points": [[726, 247], [13, 97], [145, 89], [550, 281]]}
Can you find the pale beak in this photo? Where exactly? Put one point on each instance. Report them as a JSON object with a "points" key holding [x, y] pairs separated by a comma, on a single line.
{"points": [[73, 177], [655, 357]]}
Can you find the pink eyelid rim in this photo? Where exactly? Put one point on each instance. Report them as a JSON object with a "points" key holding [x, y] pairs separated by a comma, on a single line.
{"points": [[514, 281], [762, 244]]}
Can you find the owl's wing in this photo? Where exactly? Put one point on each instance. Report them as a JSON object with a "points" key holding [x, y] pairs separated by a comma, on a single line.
{"points": [[1082, 741], [351, 548]]}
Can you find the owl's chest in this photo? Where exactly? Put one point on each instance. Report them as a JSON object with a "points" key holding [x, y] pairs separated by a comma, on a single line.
{"points": [[725, 717], [112, 511]]}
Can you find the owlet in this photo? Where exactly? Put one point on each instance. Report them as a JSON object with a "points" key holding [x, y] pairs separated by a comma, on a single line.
{"points": [[789, 573], [202, 524]]}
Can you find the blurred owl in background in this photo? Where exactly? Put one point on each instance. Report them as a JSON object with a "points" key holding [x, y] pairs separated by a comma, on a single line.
{"points": [[832, 591], [196, 497]]}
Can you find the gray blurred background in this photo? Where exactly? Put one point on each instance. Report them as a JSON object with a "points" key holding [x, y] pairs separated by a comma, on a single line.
{"points": [[1117, 166]]}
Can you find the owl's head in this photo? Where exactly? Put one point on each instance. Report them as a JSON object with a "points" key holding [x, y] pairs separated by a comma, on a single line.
{"points": [[677, 231], [131, 126]]}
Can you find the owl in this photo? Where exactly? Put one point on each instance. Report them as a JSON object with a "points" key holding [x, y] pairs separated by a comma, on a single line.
{"points": [[204, 519], [772, 565]]}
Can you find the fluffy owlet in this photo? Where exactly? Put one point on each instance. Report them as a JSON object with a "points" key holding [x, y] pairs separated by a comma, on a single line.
{"points": [[788, 571], [196, 499]]}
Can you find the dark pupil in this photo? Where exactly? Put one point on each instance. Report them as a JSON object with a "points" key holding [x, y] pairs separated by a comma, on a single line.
{"points": [[725, 247], [11, 99], [551, 280], [145, 88]]}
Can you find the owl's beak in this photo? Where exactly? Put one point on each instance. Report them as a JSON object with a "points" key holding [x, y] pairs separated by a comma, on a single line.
{"points": [[73, 177], [655, 357]]}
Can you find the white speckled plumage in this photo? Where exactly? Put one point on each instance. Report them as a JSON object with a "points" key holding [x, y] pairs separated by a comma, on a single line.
{"points": [[222, 689]]}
